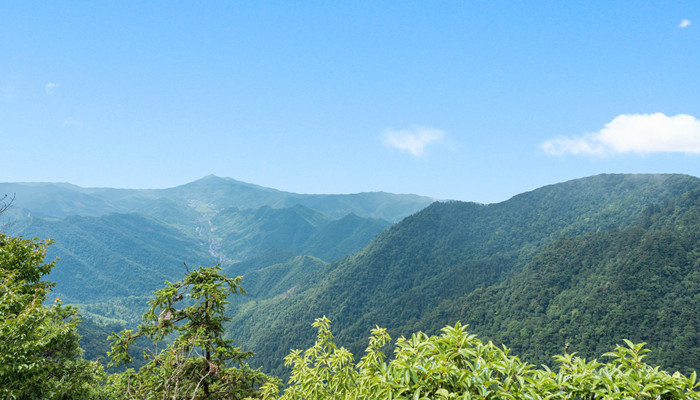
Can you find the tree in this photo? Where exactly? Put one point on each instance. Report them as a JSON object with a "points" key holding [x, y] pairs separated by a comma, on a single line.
{"points": [[39, 345], [5, 204], [199, 363], [457, 365]]}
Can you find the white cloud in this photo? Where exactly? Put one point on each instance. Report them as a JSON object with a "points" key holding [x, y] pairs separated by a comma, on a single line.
{"points": [[50, 87], [412, 140], [634, 133], [684, 24], [71, 121]]}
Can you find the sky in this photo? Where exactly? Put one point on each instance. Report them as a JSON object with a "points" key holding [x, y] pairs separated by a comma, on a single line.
{"points": [[467, 100]]}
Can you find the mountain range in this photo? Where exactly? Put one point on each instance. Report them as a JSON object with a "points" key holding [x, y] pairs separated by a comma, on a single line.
{"points": [[587, 262], [116, 246], [527, 272], [210, 193]]}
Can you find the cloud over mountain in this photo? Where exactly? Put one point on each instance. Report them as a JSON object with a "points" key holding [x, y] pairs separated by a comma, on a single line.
{"points": [[634, 133]]}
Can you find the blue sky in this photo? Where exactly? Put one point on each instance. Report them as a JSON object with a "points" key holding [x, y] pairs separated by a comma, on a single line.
{"points": [[472, 100]]}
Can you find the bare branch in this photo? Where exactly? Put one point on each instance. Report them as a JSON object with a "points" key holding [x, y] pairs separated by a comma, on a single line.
{"points": [[5, 204]]}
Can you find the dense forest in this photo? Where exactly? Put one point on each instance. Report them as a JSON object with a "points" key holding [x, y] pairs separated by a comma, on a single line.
{"points": [[434, 267], [41, 357], [640, 283], [558, 276]]}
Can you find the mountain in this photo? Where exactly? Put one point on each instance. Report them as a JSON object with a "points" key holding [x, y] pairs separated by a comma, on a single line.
{"points": [[280, 279], [404, 277], [208, 194], [591, 291], [118, 245], [245, 233], [589, 261], [115, 255], [342, 237], [54, 200], [226, 192]]}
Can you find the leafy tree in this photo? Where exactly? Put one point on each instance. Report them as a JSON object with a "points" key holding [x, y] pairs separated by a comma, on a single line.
{"points": [[39, 345], [199, 363], [457, 365]]}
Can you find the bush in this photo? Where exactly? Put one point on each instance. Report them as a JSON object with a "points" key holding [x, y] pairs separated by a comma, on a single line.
{"points": [[457, 365]]}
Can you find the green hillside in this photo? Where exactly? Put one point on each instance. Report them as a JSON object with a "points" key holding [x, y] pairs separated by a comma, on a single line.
{"points": [[442, 253], [342, 237], [280, 279], [588, 262], [245, 233], [117, 245], [242, 234], [591, 291], [116, 255], [109, 265]]}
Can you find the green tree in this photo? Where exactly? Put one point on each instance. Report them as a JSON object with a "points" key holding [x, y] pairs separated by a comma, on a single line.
{"points": [[39, 345], [199, 363], [457, 365]]}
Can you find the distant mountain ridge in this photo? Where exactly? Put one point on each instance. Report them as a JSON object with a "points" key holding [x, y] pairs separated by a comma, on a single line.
{"points": [[209, 193], [118, 245]]}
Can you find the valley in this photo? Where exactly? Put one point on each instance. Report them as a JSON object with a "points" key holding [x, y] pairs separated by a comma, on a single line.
{"points": [[587, 262]]}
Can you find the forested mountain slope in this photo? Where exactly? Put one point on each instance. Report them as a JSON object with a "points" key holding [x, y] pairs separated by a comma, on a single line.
{"points": [[116, 255], [441, 253], [530, 271], [343, 236], [245, 233], [110, 264], [640, 283], [117, 245]]}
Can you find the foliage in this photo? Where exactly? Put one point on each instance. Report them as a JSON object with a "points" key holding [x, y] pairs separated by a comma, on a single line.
{"points": [[39, 345], [199, 363], [93, 341], [640, 282], [457, 365]]}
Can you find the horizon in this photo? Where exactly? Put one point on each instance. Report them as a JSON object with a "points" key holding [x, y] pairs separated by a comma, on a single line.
{"points": [[332, 194], [471, 102]]}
